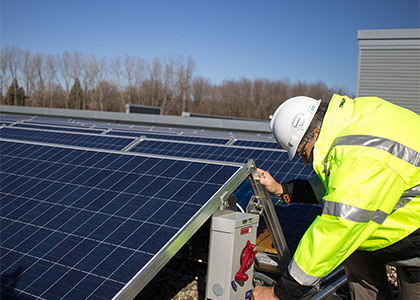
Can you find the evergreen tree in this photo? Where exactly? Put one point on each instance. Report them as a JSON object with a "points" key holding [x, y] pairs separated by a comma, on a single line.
{"points": [[76, 95], [15, 94]]}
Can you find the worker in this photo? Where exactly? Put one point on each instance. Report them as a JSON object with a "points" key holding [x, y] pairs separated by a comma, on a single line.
{"points": [[366, 154]]}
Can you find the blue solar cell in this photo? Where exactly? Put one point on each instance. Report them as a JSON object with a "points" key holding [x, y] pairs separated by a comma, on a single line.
{"points": [[203, 190], [34, 187], [164, 212], [11, 162], [205, 173], [170, 188], [110, 180], [158, 167], [190, 189], [10, 259], [186, 172], [222, 175], [154, 187], [186, 212], [104, 290], [158, 239], [173, 170]]}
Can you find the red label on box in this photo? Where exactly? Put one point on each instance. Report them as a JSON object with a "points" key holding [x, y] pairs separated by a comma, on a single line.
{"points": [[246, 230]]}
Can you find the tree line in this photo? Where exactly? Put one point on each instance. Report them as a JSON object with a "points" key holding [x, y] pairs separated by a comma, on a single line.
{"points": [[79, 81]]}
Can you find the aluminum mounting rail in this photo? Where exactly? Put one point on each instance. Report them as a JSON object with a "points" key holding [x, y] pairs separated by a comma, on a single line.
{"points": [[262, 204]]}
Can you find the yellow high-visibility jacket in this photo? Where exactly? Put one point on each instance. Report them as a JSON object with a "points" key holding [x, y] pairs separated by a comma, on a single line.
{"points": [[367, 156]]}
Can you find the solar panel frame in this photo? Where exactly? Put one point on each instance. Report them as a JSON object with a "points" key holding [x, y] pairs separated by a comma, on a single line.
{"points": [[58, 128], [173, 137]]}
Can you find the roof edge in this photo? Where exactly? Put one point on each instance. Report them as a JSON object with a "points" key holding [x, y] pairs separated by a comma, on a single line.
{"points": [[387, 34], [256, 126]]}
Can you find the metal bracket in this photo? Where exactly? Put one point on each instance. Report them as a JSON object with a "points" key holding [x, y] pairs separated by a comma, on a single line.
{"points": [[228, 204], [261, 204]]}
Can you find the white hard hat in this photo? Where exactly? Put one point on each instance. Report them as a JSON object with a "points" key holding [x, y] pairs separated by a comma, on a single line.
{"points": [[291, 120]]}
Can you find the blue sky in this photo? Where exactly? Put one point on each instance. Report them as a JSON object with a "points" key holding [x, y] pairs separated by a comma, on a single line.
{"points": [[301, 40]]}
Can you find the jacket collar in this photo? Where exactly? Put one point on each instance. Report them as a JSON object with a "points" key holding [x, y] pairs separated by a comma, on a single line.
{"points": [[337, 118]]}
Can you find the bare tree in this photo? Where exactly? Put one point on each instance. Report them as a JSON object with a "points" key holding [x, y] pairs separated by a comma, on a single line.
{"points": [[258, 95], [299, 89], [171, 84], [90, 73], [185, 75], [245, 104], [77, 64], [169, 89], [117, 72], [110, 93], [64, 65], [5, 77], [14, 64], [103, 76], [155, 77], [139, 73], [51, 72], [28, 73], [38, 64], [201, 90], [129, 65]]}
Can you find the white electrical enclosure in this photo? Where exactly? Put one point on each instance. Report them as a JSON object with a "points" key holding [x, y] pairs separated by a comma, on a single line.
{"points": [[229, 237]]}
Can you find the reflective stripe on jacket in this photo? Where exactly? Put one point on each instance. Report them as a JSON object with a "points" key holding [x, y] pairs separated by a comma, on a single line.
{"points": [[368, 157]]}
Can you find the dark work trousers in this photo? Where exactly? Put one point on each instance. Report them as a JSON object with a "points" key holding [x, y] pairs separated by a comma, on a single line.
{"points": [[407, 290], [366, 271]]}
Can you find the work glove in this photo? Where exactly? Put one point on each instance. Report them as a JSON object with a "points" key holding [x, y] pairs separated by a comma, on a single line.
{"points": [[287, 288]]}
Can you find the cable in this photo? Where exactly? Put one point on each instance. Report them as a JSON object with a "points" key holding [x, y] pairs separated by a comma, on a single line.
{"points": [[240, 207]]}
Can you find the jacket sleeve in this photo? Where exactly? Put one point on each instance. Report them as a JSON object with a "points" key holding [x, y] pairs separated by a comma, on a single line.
{"points": [[361, 192], [300, 191]]}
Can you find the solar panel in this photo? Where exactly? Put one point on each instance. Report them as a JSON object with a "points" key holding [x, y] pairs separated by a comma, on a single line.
{"points": [[272, 160], [63, 138], [84, 224]]}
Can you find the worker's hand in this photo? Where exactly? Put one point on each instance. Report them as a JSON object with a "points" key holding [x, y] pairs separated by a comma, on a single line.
{"points": [[263, 293], [271, 185]]}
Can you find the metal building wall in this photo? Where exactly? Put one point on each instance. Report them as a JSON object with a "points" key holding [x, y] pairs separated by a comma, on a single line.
{"points": [[389, 66]]}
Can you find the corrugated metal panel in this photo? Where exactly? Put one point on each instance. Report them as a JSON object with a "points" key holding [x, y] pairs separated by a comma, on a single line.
{"points": [[390, 67]]}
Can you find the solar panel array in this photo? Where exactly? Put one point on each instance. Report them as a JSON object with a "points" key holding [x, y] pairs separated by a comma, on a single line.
{"points": [[88, 207]]}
